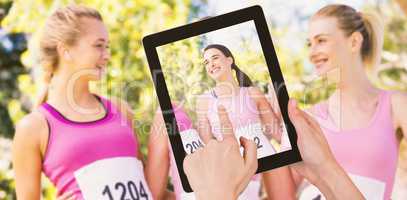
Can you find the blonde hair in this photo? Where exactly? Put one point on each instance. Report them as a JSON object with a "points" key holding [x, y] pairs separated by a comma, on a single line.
{"points": [[369, 25], [63, 26]]}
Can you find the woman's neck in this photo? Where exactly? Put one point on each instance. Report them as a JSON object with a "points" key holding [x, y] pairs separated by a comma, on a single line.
{"points": [[70, 93], [354, 84], [227, 88]]}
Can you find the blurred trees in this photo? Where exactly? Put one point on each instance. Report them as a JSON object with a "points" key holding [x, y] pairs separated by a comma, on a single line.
{"points": [[12, 45], [392, 74]]}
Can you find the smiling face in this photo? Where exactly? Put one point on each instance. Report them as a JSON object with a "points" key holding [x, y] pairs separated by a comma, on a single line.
{"points": [[91, 52], [328, 45], [217, 65]]}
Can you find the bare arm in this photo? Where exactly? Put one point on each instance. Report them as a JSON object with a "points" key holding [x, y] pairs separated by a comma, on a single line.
{"points": [[203, 125], [158, 160], [399, 108], [279, 184], [27, 159], [268, 118]]}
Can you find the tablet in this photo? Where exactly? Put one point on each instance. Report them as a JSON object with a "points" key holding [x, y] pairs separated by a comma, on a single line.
{"points": [[226, 60]]}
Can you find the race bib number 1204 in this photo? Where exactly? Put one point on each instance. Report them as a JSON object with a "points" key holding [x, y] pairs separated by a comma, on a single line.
{"points": [[113, 179]]}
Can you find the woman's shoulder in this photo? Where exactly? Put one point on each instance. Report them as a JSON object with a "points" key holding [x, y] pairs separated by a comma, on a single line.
{"points": [[398, 105], [255, 93], [31, 127], [398, 98], [204, 97], [254, 90], [318, 109], [32, 121]]}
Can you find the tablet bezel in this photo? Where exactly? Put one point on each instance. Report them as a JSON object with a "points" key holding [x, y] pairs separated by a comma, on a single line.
{"points": [[253, 13]]}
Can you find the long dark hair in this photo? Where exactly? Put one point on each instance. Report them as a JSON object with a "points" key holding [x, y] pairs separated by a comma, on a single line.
{"points": [[242, 78]]}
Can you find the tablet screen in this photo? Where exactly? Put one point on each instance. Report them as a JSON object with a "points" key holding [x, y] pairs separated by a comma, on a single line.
{"points": [[224, 67]]}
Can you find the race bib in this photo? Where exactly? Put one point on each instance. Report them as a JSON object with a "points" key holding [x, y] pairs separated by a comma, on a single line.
{"points": [[113, 179], [371, 189], [254, 132], [191, 140]]}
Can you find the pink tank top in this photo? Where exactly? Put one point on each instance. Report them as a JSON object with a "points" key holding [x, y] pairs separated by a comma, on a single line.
{"points": [[241, 109], [73, 145], [368, 154]]}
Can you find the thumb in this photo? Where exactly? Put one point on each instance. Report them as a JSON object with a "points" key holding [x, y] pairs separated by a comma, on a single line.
{"points": [[249, 153], [296, 117], [292, 108], [250, 161]]}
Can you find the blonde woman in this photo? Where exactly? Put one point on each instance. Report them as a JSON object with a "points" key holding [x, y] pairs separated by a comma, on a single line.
{"points": [[82, 142], [358, 119]]}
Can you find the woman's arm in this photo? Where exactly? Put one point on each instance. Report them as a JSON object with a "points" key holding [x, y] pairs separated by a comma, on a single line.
{"points": [[158, 160], [203, 125], [279, 183], [399, 108], [27, 159], [269, 119]]}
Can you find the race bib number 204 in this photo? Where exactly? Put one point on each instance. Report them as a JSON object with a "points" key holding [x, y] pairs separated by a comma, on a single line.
{"points": [[113, 179]]}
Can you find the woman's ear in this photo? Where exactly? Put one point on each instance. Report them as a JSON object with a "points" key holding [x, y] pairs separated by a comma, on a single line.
{"points": [[230, 60], [356, 41], [63, 52]]}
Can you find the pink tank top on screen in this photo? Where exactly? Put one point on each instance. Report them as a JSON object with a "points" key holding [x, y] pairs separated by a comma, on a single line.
{"points": [[241, 109]]}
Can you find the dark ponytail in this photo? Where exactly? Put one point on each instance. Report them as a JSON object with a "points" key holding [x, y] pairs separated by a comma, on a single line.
{"points": [[242, 78]]}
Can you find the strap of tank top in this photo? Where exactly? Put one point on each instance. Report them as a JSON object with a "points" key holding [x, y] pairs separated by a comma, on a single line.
{"points": [[52, 114], [107, 104], [45, 110], [213, 94]]}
